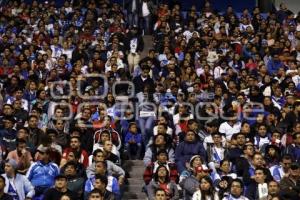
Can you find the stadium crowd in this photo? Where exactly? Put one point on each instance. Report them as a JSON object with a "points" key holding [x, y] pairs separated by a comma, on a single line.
{"points": [[213, 110]]}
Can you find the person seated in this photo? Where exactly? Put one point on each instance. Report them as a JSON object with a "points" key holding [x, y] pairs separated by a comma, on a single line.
{"points": [[216, 151], [74, 157], [258, 187], [60, 188], [191, 184], [101, 183], [186, 149], [162, 180], [206, 190], [162, 159], [101, 169], [22, 156], [104, 136], [75, 145], [282, 170], [42, 173], [112, 169], [75, 181], [225, 169], [236, 190], [114, 135], [160, 143], [133, 142]]}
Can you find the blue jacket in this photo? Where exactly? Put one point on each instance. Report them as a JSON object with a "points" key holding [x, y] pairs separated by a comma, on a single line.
{"points": [[135, 137], [41, 174], [294, 150], [273, 66], [184, 151], [112, 185]]}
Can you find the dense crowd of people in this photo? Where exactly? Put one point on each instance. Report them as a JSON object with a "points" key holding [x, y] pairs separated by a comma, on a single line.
{"points": [[213, 110]]}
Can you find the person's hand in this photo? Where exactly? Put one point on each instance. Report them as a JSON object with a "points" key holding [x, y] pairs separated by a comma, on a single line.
{"points": [[23, 152], [121, 180]]}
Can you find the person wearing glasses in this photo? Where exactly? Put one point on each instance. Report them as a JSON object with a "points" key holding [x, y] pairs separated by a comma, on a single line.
{"points": [[236, 191]]}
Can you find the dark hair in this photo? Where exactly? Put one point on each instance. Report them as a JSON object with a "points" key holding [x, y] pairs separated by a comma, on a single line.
{"points": [[162, 151], [97, 151], [2, 178], [295, 136], [20, 141], [261, 169], [103, 162], [167, 175], [287, 157], [23, 128], [209, 180], [102, 178], [238, 181], [32, 116], [160, 190], [94, 191]]}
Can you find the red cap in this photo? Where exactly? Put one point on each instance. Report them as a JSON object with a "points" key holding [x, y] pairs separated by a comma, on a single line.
{"points": [[202, 168]]}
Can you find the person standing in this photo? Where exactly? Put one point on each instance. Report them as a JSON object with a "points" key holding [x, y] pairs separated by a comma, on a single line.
{"points": [[132, 7], [146, 12]]}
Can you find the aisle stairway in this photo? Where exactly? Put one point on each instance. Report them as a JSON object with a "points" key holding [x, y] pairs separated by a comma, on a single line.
{"points": [[135, 168], [133, 189]]}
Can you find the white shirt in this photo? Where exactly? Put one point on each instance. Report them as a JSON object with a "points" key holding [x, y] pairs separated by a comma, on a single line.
{"points": [[145, 9], [228, 130]]}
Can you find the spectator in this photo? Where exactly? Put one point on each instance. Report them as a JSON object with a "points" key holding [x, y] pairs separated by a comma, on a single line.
{"points": [[258, 187], [75, 146], [206, 190], [280, 171], [162, 180], [42, 172], [17, 185], [112, 169], [289, 186], [160, 143], [236, 190], [186, 149], [162, 159], [133, 142], [101, 169], [101, 184], [22, 156], [191, 184], [4, 195], [60, 189], [273, 189]]}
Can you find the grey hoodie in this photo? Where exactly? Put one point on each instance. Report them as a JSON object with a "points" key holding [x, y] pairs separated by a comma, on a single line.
{"points": [[112, 169]]}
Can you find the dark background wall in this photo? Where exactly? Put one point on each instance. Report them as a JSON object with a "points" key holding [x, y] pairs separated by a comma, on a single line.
{"points": [[219, 5]]}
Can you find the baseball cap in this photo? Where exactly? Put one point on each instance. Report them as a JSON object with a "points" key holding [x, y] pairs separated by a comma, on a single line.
{"points": [[202, 168]]}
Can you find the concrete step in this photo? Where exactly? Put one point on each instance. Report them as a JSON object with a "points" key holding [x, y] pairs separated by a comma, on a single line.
{"points": [[134, 187], [137, 172], [135, 181], [132, 195]]}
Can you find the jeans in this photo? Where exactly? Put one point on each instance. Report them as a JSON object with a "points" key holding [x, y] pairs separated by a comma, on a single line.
{"points": [[146, 125], [133, 151], [133, 19], [146, 24]]}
